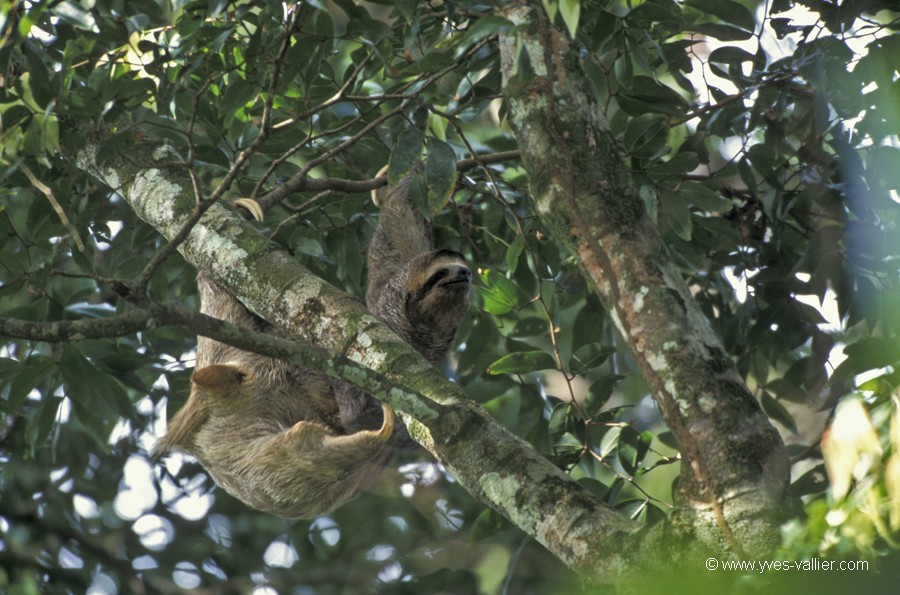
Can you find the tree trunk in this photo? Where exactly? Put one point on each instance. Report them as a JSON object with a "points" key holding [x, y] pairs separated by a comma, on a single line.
{"points": [[734, 466]]}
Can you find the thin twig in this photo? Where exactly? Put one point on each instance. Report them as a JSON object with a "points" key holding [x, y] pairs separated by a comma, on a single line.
{"points": [[46, 191]]}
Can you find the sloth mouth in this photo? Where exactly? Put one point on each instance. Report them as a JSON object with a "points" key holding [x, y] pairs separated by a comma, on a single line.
{"points": [[456, 283]]}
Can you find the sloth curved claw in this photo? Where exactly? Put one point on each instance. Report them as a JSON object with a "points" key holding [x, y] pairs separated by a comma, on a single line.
{"points": [[251, 206]]}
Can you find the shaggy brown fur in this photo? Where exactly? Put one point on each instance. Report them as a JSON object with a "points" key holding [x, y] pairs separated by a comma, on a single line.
{"points": [[293, 442]]}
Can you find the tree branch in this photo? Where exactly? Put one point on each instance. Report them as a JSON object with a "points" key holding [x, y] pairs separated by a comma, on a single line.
{"points": [[304, 184], [154, 316]]}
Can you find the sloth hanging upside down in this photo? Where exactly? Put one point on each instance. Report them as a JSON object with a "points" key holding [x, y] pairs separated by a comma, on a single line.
{"points": [[294, 442]]}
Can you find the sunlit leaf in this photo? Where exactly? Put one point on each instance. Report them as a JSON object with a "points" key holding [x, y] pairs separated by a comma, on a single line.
{"points": [[570, 10], [499, 295], [850, 447]]}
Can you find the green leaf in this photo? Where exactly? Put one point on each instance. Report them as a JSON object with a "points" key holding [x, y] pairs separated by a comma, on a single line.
{"points": [[564, 419], [483, 27], [567, 450], [405, 154], [657, 12], [730, 55], [646, 96], [570, 10], [726, 11], [677, 164], [777, 411], [522, 69], [42, 423], [237, 95], [90, 388], [513, 252], [646, 135], [589, 356], [440, 173], [37, 77], [76, 16], [20, 378], [487, 524], [673, 209], [814, 481], [763, 159], [723, 32], [610, 441], [869, 353], [551, 6], [703, 198], [499, 295], [505, 408], [786, 389], [633, 447], [600, 392], [430, 62], [522, 362], [597, 488], [407, 8], [529, 327], [745, 171], [624, 70], [596, 79], [42, 135]]}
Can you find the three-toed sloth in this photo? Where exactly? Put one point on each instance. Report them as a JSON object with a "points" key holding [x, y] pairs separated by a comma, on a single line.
{"points": [[294, 442]]}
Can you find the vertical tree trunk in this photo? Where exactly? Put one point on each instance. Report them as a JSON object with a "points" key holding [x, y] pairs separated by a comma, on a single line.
{"points": [[735, 470]]}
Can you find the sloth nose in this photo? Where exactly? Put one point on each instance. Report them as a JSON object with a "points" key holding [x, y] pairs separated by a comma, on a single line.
{"points": [[459, 273]]}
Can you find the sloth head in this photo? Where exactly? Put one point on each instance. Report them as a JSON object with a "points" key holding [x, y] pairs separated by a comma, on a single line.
{"points": [[437, 288], [425, 302]]}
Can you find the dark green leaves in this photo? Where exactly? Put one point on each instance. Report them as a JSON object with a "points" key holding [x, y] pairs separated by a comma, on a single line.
{"points": [[673, 209], [405, 154], [440, 165], [633, 448], [870, 353], [522, 362], [440, 172], [737, 22], [703, 198], [97, 399], [645, 95], [646, 135], [20, 378]]}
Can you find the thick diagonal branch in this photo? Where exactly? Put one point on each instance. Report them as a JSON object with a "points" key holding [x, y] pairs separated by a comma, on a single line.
{"points": [[494, 465]]}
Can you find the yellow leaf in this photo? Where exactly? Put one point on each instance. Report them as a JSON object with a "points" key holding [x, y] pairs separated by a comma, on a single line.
{"points": [[892, 483], [850, 447]]}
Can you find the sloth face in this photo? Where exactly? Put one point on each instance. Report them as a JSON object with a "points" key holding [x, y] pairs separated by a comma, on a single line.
{"points": [[439, 283]]}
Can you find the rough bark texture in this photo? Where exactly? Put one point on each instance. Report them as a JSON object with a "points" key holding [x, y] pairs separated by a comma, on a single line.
{"points": [[735, 470], [495, 466]]}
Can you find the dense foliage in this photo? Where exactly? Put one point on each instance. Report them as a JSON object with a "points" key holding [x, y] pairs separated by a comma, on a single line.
{"points": [[762, 136]]}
